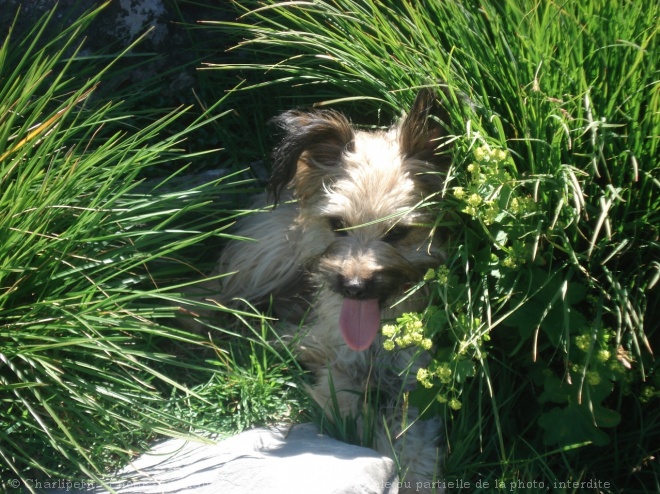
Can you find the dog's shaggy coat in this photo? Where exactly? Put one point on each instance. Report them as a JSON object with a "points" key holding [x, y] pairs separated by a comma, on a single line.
{"points": [[349, 236]]}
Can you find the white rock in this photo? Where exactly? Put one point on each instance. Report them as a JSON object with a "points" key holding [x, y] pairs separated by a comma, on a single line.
{"points": [[287, 461]]}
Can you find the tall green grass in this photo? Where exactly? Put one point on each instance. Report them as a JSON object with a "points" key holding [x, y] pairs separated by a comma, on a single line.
{"points": [[545, 314], [92, 262]]}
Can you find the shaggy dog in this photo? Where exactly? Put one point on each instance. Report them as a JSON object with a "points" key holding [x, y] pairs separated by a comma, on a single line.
{"points": [[345, 239]]}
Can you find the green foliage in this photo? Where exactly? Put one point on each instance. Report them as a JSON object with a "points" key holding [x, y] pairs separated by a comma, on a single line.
{"points": [[86, 345], [252, 385], [543, 315]]}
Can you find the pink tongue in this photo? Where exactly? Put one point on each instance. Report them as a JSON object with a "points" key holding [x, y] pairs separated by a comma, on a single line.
{"points": [[359, 322]]}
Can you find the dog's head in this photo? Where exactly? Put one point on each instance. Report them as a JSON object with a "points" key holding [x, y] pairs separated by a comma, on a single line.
{"points": [[366, 236]]}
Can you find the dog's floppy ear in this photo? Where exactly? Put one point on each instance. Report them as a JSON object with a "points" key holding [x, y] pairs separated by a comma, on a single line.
{"points": [[421, 128], [311, 148]]}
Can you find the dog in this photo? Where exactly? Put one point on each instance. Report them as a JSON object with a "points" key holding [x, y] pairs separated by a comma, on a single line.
{"points": [[344, 238]]}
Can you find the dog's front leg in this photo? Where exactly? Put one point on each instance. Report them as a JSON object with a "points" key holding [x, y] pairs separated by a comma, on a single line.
{"points": [[338, 394], [414, 444]]}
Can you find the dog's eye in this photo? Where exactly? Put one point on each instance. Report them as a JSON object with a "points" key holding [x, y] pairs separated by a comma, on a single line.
{"points": [[396, 233], [337, 224]]}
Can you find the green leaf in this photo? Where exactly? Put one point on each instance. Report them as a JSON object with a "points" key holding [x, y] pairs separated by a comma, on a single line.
{"points": [[560, 321], [605, 417], [525, 319], [437, 321], [464, 368], [424, 399], [571, 425], [555, 390]]}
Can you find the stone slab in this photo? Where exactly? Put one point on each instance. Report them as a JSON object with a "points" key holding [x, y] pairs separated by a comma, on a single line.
{"points": [[295, 460]]}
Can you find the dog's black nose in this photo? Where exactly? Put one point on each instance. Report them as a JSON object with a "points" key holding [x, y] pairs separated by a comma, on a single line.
{"points": [[354, 287]]}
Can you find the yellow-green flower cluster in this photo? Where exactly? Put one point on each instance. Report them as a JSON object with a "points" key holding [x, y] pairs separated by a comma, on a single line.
{"points": [[603, 355], [510, 262], [583, 341], [486, 173], [408, 332], [459, 193], [443, 371], [475, 172], [441, 275], [486, 155], [440, 371], [472, 204], [491, 195], [516, 256], [490, 212], [425, 377], [454, 403], [593, 378], [487, 163], [522, 205], [602, 359], [600, 339], [648, 393]]}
